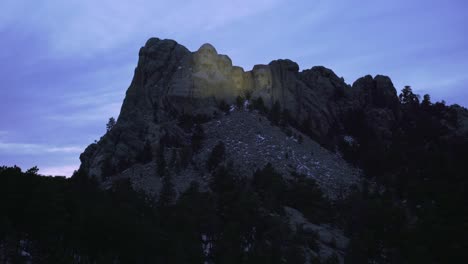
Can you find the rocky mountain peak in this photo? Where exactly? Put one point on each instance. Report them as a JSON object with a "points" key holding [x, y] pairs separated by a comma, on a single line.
{"points": [[171, 83], [378, 91]]}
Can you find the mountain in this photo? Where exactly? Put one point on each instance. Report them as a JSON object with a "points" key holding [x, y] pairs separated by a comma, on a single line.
{"points": [[175, 90], [209, 163]]}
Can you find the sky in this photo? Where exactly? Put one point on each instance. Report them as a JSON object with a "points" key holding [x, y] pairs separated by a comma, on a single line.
{"points": [[65, 65]]}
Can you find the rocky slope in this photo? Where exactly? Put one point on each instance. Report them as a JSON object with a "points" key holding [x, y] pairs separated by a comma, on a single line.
{"points": [[251, 142]]}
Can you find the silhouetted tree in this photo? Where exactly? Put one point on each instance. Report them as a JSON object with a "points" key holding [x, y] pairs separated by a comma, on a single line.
{"points": [[186, 154], [259, 105], [107, 169], [173, 160], [426, 102], [248, 94], [407, 97], [217, 156], [240, 102], [286, 118], [110, 124], [304, 194], [223, 106], [275, 113], [146, 155], [197, 138], [161, 161], [33, 171], [167, 194], [270, 186]]}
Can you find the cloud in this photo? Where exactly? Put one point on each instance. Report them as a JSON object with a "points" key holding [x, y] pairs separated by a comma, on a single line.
{"points": [[37, 149], [85, 27], [87, 115], [94, 96], [66, 170]]}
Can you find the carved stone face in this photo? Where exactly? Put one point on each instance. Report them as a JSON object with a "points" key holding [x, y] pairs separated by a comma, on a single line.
{"points": [[237, 76], [224, 64], [262, 77], [206, 58], [214, 75]]}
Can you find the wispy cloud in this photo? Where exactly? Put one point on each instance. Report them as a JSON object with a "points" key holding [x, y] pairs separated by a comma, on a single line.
{"points": [[95, 96], [37, 149], [85, 116], [84, 27]]}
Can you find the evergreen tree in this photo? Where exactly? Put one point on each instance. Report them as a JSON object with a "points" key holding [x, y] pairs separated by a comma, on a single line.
{"points": [[248, 94], [286, 118], [33, 171], [186, 154], [107, 169], [161, 161], [275, 113], [223, 106], [270, 185], [197, 138], [240, 102], [173, 160], [259, 105], [146, 155], [426, 102], [110, 124], [167, 194], [407, 97], [217, 156], [304, 194]]}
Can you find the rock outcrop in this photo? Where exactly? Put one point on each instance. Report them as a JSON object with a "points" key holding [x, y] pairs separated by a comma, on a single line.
{"points": [[170, 81]]}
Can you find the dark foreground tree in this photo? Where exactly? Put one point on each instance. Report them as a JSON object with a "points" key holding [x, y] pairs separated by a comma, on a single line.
{"points": [[217, 156], [110, 124]]}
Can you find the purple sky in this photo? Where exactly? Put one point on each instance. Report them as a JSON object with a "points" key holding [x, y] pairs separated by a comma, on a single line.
{"points": [[65, 65]]}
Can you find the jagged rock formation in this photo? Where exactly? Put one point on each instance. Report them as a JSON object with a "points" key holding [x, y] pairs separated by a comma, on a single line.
{"points": [[170, 81]]}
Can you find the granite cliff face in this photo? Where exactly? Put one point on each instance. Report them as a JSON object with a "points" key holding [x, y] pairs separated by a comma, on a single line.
{"points": [[170, 82]]}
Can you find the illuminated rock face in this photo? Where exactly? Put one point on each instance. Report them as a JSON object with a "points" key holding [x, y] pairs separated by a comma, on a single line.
{"points": [[212, 74], [215, 76], [263, 82], [262, 77]]}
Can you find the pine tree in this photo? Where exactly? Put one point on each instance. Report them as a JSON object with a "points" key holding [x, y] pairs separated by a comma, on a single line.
{"points": [[270, 185], [275, 113], [33, 171], [161, 161], [426, 102], [407, 97], [173, 160], [146, 154], [107, 168], [239, 102], [110, 124], [259, 105], [223, 106], [217, 156], [197, 137], [167, 194]]}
